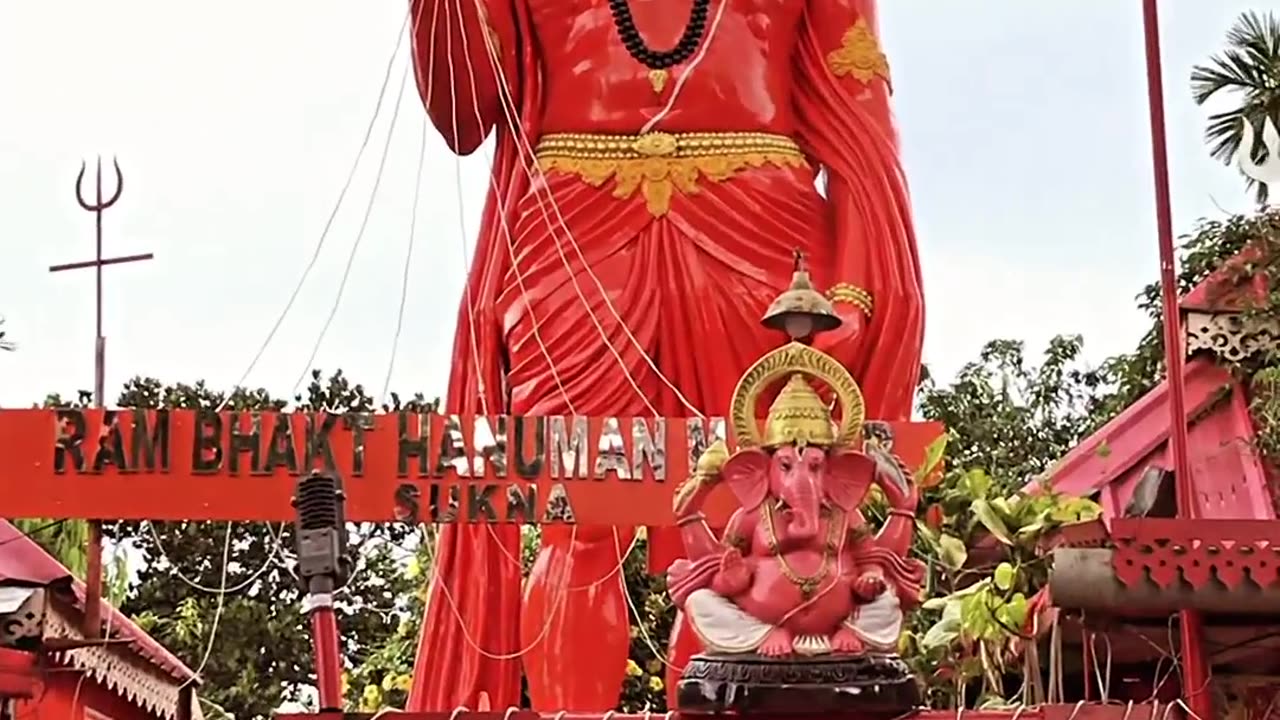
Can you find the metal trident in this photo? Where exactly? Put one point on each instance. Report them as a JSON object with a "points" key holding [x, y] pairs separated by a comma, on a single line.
{"points": [[100, 205], [97, 207], [93, 593]]}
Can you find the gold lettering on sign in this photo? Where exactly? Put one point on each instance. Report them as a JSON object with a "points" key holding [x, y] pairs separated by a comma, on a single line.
{"points": [[491, 447], [559, 509], [649, 448], [568, 447], [453, 449], [612, 453], [702, 433]]}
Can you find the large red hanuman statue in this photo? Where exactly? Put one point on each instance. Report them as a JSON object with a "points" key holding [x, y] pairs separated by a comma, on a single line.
{"points": [[654, 173]]}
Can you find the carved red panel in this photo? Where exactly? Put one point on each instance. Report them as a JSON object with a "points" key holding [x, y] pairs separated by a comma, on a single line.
{"points": [[1198, 551]]}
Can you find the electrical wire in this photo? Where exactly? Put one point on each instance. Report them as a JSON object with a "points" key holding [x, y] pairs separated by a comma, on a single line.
{"points": [[276, 550], [364, 224], [408, 259], [217, 613], [324, 234]]}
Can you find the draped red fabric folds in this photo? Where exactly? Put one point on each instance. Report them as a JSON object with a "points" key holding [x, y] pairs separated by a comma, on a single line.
{"points": [[537, 337]]}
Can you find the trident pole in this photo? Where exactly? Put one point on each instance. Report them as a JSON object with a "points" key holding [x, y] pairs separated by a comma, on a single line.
{"points": [[93, 569], [1195, 673]]}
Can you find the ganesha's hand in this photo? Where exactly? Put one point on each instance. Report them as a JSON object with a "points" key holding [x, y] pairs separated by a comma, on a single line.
{"points": [[868, 587], [734, 576]]}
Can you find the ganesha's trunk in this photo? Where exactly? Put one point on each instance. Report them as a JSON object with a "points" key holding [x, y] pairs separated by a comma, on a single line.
{"points": [[802, 518]]}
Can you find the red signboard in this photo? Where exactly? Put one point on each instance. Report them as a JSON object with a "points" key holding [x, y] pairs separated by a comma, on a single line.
{"points": [[196, 465]]}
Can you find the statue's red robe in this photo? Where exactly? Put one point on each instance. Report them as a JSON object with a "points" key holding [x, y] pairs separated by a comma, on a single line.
{"points": [[690, 284]]}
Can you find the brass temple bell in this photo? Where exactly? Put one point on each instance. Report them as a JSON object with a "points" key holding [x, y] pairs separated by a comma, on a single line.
{"points": [[801, 311]]}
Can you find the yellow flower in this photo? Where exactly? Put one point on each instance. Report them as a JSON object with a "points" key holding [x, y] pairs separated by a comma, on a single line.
{"points": [[655, 683], [654, 666], [371, 698], [633, 670]]}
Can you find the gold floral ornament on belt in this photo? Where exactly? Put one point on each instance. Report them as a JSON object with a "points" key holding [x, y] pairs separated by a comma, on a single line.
{"points": [[859, 55], [658, 163]]}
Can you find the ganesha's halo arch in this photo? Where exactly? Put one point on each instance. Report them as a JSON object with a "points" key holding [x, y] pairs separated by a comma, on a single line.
{"points": [[790, 360]]}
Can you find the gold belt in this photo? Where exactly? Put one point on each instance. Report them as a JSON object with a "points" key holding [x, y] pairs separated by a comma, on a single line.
{"points": [[657, 163]]}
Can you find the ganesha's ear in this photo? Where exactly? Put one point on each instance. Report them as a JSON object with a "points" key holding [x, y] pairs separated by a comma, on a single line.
{"points": [[849, 476], [747, 474]]}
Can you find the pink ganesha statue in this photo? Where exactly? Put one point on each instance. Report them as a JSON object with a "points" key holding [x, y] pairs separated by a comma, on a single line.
{"points": [[797, 573]]}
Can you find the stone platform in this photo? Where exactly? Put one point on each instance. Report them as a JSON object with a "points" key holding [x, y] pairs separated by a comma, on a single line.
{"points": [[871, 686]]}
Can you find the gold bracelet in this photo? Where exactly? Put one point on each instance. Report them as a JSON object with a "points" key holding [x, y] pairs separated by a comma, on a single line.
{"points": [[851, 294]]}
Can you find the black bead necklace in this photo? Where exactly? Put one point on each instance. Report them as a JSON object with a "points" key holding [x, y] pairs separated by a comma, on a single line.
{"points": [[660, 59]]}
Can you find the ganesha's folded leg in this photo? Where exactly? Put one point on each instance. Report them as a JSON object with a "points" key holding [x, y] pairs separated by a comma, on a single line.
{"points": [[879, 622], [722, 626]]}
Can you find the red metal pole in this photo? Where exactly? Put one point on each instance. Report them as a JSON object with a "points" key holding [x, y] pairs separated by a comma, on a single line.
{"points": [[324, 640], [1195, 673]]}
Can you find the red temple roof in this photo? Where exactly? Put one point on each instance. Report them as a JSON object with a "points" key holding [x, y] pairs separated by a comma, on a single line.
{"points": [[1218, 292], [24, 563]]}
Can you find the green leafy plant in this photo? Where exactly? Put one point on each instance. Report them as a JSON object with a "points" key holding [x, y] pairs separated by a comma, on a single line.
{"points": [[982, 549]]}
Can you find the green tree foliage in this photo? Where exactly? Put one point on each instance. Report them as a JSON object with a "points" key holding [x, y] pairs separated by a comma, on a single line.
{"points": [[261, 653], [1012, 417], [1248, 69]]}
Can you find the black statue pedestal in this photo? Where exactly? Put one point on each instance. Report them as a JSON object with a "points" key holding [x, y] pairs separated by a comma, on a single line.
{"points": [[871, 686]]}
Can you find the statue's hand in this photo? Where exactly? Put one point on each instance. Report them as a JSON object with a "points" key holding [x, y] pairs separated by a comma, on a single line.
{"points": [[841, 343], [734, 576], [868, 587]]}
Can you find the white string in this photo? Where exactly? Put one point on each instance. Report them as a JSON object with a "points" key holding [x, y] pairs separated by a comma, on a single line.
{"points": [[504, 224], [217, 613], [661, 655], [364, 224], [1104, 686], [333, 214], [408, 259], [476, 366], [556, 606], [538, 179], [684, 76], [276, 549], [524, 150]]}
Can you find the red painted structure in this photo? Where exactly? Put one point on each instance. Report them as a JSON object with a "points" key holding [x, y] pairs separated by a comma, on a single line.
{"points": [[51, 671], [1219, 552]]}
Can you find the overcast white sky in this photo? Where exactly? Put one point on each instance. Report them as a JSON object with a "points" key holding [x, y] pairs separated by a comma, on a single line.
{"points": [[1024, 126]]}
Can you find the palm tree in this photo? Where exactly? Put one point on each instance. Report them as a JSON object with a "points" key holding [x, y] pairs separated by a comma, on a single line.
{"points": [[8, 345], [1248, 68]]}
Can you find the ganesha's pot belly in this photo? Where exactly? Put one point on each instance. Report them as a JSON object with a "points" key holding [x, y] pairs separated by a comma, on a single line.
{"points": [[775, 599]]}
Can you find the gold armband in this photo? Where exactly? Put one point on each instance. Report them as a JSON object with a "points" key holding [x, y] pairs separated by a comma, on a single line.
{"points": [[851, 294]]}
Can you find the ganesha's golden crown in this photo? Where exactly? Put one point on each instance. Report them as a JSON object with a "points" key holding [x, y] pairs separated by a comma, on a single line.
{"points": [[798, 417]]}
